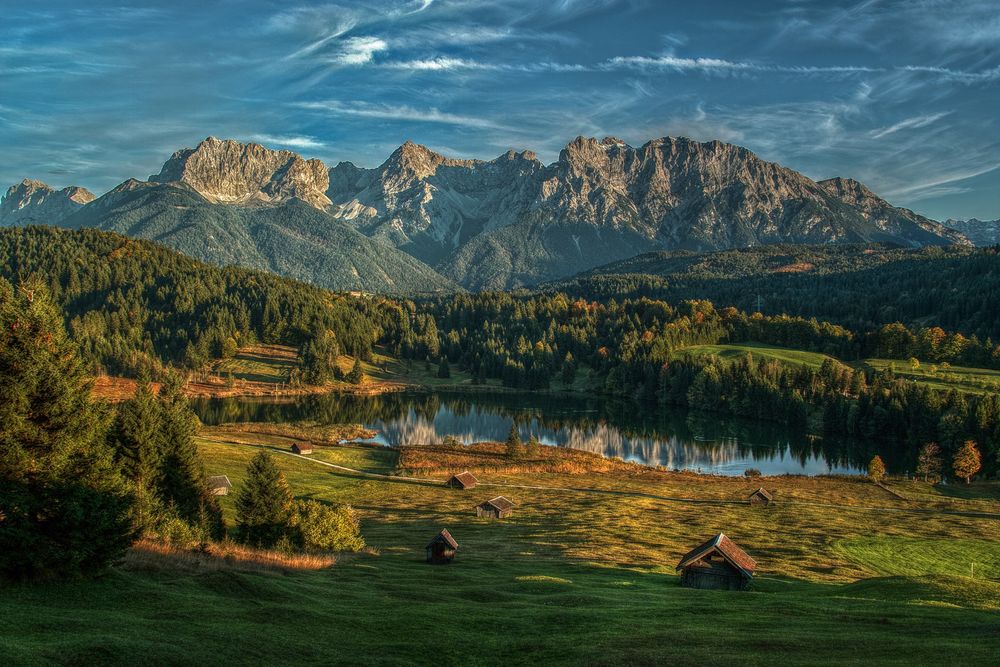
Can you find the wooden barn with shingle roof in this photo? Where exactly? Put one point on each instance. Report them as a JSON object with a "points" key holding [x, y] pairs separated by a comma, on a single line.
{"points": [[441, 550], [760, 497], [463, 480], [497, 508], [718, 564]]}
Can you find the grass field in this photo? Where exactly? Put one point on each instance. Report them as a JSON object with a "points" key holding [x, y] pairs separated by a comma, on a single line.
{"points": [[581, 574], [970, 380], [758, 350]]}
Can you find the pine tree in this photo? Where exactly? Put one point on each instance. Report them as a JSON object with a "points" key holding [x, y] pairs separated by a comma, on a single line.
{"points": [[876, 469], [515, 449], [137, 438], [569, 369], [263, 504], [534, 447], [64, 507], [444, 372], [967, 461], [357, 374], [929, 462], [182, 481]]}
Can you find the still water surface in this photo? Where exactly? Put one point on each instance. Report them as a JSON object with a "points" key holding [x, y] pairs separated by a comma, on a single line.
{"points": [[648, 434]]}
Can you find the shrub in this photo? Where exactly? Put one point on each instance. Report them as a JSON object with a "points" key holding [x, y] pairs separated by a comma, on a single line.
{"points": [[751, 472], [319, 527]]}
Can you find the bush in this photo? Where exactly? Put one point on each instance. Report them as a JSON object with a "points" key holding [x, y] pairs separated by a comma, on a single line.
{"points": [[319, 527], [751, 472]]}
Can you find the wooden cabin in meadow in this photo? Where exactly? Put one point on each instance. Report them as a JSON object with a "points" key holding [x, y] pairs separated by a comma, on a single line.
{"points": [[441, 550], [463, 480], [760, 497], [717, 564], [497, 508], [219, 485], [302, 448]]}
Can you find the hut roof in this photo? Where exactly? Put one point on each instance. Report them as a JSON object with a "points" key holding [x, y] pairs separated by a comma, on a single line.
{"points": [[444, 536], [219, 482], [465, 478], [762, 492], [727, 548], [500, 503]]}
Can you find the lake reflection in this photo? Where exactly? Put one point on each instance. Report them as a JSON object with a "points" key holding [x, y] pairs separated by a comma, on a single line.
{"points": [[648, 434]]}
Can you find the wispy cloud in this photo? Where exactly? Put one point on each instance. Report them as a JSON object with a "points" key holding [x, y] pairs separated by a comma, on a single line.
{"points": [[914, 190], [285, 140], [680, 64], [909, 124], [398, 112], [359, 50]]}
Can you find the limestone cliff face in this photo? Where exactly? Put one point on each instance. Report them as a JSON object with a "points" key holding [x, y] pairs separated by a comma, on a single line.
{"points": [[35, 203], [429, 204], [513, 221], [902, 223], [229, 172]]}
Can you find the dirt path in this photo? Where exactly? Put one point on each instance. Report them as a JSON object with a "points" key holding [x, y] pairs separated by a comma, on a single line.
{"points": [[633, 494]]}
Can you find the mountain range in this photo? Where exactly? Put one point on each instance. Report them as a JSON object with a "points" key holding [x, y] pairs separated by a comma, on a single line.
{"points": [[423, 222], [981, 233]]}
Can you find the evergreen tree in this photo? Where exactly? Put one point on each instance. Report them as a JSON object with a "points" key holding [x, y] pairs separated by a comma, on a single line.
{"points": [[182, 481], [444, 371], [64, 509], [929, 463], [137, 439], [357, 374], [534, 448], [515, 450], [876, 469], [967, 461], [263, 503], [319, 357], [569, 369]]}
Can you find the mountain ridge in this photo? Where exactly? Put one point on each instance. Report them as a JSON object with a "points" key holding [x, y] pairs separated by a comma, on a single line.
{"points": [[507, 222]]}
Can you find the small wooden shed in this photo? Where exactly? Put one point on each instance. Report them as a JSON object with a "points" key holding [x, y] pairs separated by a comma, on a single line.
{"points": [[497, 508], [760, 497], [219, 485], [302, 448], [441, 550], [717, 564], [463, 480]]}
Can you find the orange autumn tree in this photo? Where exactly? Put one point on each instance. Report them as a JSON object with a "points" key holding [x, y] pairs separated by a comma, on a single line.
{"points": [[967, 461]]}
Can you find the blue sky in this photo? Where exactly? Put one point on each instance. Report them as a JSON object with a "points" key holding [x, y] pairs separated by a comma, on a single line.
{"points": [[904, 96]]}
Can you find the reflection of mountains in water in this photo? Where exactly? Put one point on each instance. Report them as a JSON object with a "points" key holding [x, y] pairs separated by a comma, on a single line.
{"points": [[670, 451], [647, 434]]}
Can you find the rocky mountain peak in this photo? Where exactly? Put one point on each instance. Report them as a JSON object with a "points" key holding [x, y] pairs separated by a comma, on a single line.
{"points": [[229, 172], [34, 202]]}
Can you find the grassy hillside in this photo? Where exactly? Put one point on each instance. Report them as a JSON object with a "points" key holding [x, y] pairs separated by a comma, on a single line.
{"points": [[960, 378], [581, 574]]}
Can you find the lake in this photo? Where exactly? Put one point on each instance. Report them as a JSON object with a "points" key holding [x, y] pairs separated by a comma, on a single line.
{"points": [[647, 434]]}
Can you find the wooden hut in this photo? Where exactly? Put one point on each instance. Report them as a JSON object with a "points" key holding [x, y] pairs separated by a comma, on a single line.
{"points": [[441, 550], [718, 564], [463, 480], [497, 508], [302, 448], [760, 497], [219, 485]]}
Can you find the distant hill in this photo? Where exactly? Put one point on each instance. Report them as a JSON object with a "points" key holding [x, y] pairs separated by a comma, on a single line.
{"points": [[859, 286], [35, 203], [982, 233]]}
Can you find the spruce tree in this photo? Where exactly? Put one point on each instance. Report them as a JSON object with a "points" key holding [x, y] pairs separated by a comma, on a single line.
{"points": [[515, 449], [263, 504], [182, 482], [357, 374], [64, 509], [534, 447], [444, 371], [137, 439]]}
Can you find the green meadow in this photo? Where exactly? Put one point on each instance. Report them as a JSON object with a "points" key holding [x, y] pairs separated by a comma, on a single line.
{"points": [[583, 573]]}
